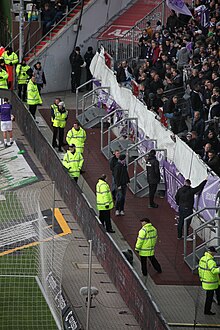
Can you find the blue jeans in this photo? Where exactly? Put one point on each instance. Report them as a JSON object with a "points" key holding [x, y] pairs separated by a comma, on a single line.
{"points": [[120, 198]]}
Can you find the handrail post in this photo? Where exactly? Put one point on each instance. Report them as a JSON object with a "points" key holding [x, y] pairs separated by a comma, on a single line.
{"points": [[135, 176], [116, 49], [109, 138], [163, 12], [102, 137], [194, 249], [132, 43], [185, 236], [77, 101]]}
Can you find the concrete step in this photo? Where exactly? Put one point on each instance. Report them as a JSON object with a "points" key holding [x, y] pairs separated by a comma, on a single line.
{"points": [[91, 117]]}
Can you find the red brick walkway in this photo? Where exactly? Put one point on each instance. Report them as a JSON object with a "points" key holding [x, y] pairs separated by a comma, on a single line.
{"points": [[169, 250]]}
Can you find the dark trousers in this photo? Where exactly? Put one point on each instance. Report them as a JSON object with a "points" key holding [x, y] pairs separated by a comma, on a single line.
{"points": [[22, 91], [105, 218], [183, 213], [75, 80], [209, 299], [33, 109], [152, 192], [88, 77], [75, 178], [57, 130], [154, 263], [120, 198], [39, 86]]}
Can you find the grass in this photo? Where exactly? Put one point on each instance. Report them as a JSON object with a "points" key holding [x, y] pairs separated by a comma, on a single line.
{"points": [[23, 306]]}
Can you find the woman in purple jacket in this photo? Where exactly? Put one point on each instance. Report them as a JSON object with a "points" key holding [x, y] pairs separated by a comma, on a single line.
{"points": [[6, 121]]}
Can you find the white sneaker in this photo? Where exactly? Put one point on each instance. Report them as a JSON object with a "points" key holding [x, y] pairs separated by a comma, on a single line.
{"points": [[189, 239], [122, 213], [117, 212]]}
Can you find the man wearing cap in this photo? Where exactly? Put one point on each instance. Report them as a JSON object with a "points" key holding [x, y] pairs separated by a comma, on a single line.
{"points": [[209, 276], [185, 200], [76, 62], [153, 176], [104, 202], [77, 135], [59, 117], [73, 161], [121, 178], [145, 245]]}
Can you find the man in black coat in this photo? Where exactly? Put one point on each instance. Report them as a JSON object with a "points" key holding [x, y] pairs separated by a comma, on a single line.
{"points": [[121, 178], [185, 200], [113, 162], [76, 62], [88, 59], [153, 176]]}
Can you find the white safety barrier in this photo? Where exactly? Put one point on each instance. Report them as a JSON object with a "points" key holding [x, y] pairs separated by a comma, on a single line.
{"points": [[185, 159]]}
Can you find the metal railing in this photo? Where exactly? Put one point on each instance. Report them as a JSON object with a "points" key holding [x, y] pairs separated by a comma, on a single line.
{"points": [[49, 33], [126, 46], [206, 224], [107, 118], [93, 94]]}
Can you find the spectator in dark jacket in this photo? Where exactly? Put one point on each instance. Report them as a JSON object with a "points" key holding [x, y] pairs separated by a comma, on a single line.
{"points": [[76, 62], [121, 178], [185, 200], [197, 99], [88, 59], [153, 176], [198, 125], [124, 74], [211, 137], [214, 162], [113, 162]]}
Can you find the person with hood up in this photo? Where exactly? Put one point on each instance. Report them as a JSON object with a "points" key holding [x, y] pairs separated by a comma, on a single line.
{"points": [[121, 178], [183, 56]]}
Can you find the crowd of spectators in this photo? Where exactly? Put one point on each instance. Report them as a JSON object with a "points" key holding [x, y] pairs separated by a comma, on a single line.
{"points": [[178, 76], [49, 12]]}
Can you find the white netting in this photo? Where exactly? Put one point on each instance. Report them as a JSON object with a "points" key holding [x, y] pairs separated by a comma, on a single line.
{"points": [[31, 258]]}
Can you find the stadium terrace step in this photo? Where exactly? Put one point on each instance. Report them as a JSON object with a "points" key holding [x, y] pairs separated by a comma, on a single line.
{"points": [[91, 117], [121, 145], [142, 187], [199, 253], [54, 31]]}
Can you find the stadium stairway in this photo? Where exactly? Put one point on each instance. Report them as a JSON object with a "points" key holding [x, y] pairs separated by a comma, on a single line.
{"points": [[128, 18], [67, 20]]}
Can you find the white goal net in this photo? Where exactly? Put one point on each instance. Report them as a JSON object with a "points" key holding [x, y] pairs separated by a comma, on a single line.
{"points": [[31, 257]]}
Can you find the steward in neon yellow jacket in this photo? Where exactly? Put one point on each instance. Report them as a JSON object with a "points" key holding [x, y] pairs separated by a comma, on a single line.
{"points": [[77, 136], [10, 57], [3, 78], [104, 199], [209, 276], [59, 115], [21, 72], [73, 161], [33, 96], [146, 241]]}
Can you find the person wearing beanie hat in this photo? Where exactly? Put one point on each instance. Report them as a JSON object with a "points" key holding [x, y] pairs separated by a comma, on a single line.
{"points": [[76, 62], [121, 178], [73, 162], [59, 116], [153, 176], [209, 276], [145, 245], [88, 59]]}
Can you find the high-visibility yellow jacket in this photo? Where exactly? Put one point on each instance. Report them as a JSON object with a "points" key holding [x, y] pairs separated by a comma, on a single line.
{"points": [[77, 137], [73, 163], [33, 96], [60, 118], [103, 196], [22, 76], [146, 241], [10, 59], [3, 79], [209, 272]]}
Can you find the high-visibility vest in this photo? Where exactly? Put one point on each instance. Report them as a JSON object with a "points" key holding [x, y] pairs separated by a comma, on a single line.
{"points": [[73, 163], [77, 137], [22, 76], [60, 118], [208, 272], [3, 79], [103, 196], [13, 58], [33, 96], [146, 241]]}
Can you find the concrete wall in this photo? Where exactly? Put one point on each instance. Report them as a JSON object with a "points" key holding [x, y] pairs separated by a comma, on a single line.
{"points": [[55, 59]]}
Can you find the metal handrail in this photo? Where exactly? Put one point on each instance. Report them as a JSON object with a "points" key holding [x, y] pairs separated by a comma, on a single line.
{"points": [[64, 18], [195, 231], [134, 146], [17, 35], [117, 124], [102, 132]]}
